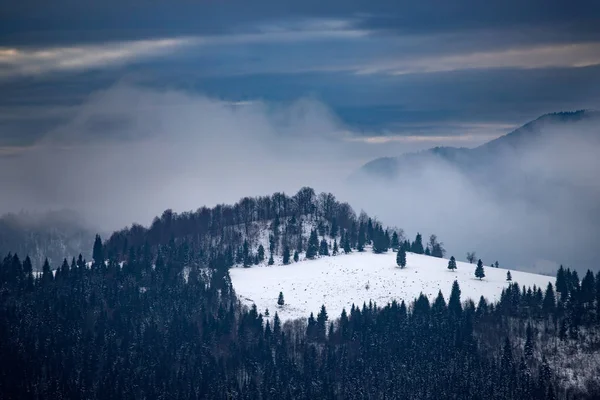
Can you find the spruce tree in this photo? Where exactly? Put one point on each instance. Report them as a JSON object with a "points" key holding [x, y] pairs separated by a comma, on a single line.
{"points": [[479, 271], [508, 276], [347, 247], [335, 247], [98, 252], [321, 324], [361, 240], [296, 256], [271, 260], [417, 246], [261, 253], [401, 258], [323, 248], [286, 255], [246, 254], [395, 243], [452, 263], [313, 245], [549, 304], [529, 342], [454, 304], [280, 300]]}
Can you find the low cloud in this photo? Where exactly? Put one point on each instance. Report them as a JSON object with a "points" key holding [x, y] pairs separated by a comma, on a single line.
{"points": [[129, 153]]}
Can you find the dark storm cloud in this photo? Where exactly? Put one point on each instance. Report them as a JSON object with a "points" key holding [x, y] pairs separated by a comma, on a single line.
{"points": [[35, 21]]}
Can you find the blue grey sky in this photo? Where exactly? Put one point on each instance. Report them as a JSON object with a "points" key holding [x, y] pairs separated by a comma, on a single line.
{"points": [[432, 68]]}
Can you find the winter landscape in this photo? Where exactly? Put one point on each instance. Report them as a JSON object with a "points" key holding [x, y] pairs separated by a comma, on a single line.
{"points": [[282, 199]]}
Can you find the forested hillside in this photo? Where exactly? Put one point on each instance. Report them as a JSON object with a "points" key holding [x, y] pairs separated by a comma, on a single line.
{"points": [[155, 315]]}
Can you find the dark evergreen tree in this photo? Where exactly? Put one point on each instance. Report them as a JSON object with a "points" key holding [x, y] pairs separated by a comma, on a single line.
{"points": [[529, 342], [479, 271], [508, 276], [286, 255], [335, 247], [261, 253], [395, 243], [452, 264], [296, 256], [323, 248], [98, 252], [454, 304], [280, 300], [361, 240], [321, 324], [346, 245], [417, 246], [246, 254], [313, 245], [271, 260], [401, 258], [549, 305], [334, 228]]}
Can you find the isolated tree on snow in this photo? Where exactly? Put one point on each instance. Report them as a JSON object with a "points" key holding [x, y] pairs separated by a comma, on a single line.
{"points": [[296, 256], [335, 247], [261, 253], [497, 264], [286, 255], [508, 276], [452, 263], [280, 300], [323, 248], [471, 257], [479, 272], [313, 245], [271, 260], [401, 257]]}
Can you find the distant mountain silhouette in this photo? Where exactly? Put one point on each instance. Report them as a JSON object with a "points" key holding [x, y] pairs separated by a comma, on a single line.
{"points": [[490, 154]]}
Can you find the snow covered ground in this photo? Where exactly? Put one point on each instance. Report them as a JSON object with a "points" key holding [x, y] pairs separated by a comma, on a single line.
{"points": [[347, 279]]}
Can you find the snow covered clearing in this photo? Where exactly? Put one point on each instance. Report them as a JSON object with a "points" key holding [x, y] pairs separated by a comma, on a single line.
{"points": [[346, 279]]}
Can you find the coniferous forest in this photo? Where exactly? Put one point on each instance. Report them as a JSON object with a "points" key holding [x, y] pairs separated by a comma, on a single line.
{"points": [[154, 316]]}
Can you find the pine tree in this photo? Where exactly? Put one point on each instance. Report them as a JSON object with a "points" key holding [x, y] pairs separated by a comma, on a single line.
{"points": [[508, 276], [321, 324], [98, 252], [261, 253], [417, 246], [246, 254], [280, 300], [479, 271], [313, 245], [296, 256], [361, 240], [452, 263], [401, 258], [271, 260], [454, 304], [529, 342], [347, 247], [323, 248], [335, 247], [286, 255], [395, 243], [497, 264], [549, 304]]}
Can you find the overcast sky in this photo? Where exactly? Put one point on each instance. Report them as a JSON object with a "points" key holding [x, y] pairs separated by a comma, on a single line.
{"points": [[437, 68]]}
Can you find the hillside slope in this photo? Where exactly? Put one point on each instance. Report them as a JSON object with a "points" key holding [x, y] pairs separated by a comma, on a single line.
{"points": [[340, 281]]}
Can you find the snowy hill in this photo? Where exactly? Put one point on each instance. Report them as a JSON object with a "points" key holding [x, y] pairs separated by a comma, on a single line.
{"points": [[343, 280]]}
